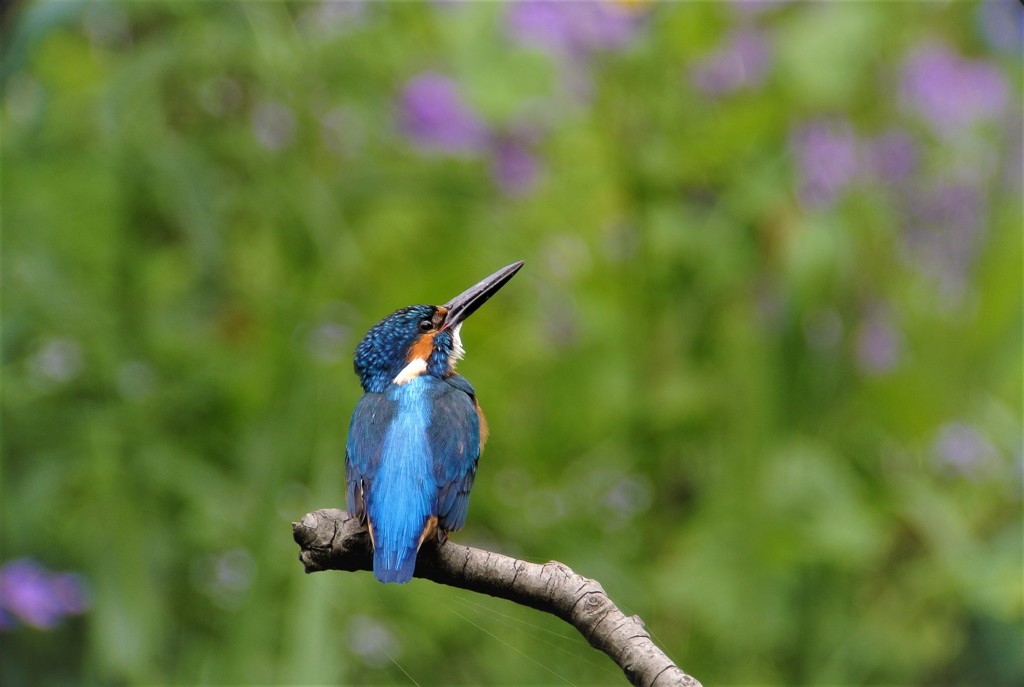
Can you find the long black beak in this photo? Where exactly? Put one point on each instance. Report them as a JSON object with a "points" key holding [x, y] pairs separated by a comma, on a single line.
{"points": [[466, 303]]}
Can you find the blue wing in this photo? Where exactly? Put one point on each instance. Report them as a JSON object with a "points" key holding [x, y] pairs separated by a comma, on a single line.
{"points": [[454, 436], [370, 422]]}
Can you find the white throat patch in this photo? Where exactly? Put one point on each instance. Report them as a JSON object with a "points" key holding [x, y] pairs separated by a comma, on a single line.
{"points": [[458, 352], [418, 366], [414, 369]]}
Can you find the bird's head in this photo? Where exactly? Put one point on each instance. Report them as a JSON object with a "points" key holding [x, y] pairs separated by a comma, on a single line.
{"points": [[422, 339]]}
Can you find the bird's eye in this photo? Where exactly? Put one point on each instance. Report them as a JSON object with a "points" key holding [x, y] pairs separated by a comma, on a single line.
{"points": [[426, 325]]}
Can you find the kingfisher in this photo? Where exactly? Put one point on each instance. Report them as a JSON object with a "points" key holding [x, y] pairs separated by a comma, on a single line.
{"points": [[417, 432]]}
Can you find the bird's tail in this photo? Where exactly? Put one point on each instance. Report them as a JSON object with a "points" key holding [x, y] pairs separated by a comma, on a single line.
{"points": [[394, 565], [396, 562]]}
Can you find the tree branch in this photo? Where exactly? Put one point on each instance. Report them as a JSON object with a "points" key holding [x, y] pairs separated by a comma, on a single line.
{"points": [[330, 540]]}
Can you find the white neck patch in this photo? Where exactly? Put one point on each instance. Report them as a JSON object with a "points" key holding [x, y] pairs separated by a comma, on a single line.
{"points": [[414, 369], [418, 366], [458, 352]]}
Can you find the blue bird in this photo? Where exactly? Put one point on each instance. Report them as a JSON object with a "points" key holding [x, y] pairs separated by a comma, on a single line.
{"points": [[417, 432]]}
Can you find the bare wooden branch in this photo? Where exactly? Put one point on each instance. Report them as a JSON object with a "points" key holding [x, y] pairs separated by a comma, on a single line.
{"points": [[330, 540]]}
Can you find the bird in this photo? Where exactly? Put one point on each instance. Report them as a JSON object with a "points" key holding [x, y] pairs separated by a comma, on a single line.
{"points": [[416, 434]]}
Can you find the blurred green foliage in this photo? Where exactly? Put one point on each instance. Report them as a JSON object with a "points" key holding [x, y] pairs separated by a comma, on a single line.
{"points": [[783, 429]]}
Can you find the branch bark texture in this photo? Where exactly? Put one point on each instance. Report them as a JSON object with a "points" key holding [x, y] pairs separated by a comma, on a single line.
{"points": [[330, 540]]}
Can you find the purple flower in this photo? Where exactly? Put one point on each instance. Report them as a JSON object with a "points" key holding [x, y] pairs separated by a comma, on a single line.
{"points": [[433, 114], [879, 343], [742, 62], [826, 155], [514, 167], [960, 448], [892, 157], [949, 92], [39, 598], [1002, 24], [435, 118], [945, 225], [573, 29]]}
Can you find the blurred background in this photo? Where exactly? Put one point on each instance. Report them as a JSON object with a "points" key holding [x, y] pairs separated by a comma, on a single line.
{"points": [[761, 375]]}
